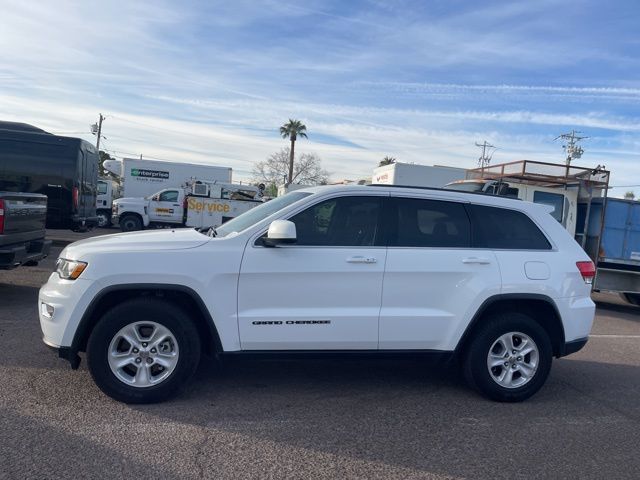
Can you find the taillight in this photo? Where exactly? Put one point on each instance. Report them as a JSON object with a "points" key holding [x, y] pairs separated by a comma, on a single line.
{"points": [[587, 270], [1, 216], [75, 197]]}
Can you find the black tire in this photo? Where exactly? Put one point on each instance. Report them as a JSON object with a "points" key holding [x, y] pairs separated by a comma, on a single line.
{"points": [[139, 310], [475, 366], [104, 218], [130, 223]]}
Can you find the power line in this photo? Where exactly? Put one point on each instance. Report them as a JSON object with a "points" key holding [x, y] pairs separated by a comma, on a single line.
{"points": [[571, 147], [487, 153]]}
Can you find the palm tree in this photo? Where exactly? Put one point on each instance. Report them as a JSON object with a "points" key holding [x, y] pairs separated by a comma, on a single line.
{"points": [[292, 130], [386, 161]]}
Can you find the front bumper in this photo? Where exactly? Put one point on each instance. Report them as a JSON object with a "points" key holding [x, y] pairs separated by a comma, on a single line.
{"points": [[12, 256], [66, 353], [69, 300]]}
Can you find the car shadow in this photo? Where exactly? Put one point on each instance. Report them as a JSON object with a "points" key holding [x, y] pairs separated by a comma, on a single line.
{"points": [[404, 413], [30, 448]]}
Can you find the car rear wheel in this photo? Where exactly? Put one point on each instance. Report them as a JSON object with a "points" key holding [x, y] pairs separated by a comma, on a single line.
{"points": [[143, 351], [104, 218], [509, 358]]}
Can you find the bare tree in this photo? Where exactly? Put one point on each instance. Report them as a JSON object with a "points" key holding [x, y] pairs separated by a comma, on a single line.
{"points": [[103, 172], [275, 169]]}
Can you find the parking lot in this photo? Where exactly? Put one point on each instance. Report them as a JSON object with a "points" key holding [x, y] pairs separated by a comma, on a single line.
{"points": [[320, 418]]}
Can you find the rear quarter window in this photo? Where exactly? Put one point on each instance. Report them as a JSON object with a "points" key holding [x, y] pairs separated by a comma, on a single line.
{"points": [[501, 228]]}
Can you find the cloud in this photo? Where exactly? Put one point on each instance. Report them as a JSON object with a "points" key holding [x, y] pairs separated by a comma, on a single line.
{"points": [[212, 81], [434, 88]]}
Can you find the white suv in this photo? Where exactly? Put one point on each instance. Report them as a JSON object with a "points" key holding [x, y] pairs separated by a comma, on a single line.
{"points": [[494, 282]]}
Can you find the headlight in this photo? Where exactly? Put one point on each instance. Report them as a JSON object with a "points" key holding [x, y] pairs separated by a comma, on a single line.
{"points": [[69, 269]]}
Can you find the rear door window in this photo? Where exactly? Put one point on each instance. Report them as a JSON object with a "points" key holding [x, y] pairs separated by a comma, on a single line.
{"points": [[501, 228], [430, 223]]}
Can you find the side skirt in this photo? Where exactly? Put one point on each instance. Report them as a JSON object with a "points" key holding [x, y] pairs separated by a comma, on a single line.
{"points": [[437, 356]]}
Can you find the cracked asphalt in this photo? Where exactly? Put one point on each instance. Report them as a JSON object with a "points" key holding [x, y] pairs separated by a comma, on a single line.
{"points": [[317, 419]]}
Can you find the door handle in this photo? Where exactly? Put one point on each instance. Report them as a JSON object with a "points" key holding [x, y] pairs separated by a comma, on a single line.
{"points": [[361, 259], [176, 204], [476, 260]]}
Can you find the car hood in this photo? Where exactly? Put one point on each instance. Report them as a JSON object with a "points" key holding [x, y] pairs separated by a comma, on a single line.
{"points": [[174, 239], [130, 200]]}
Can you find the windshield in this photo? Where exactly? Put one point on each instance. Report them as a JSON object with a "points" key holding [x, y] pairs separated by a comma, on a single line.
{"points": [[466, 186], [255, 215]]}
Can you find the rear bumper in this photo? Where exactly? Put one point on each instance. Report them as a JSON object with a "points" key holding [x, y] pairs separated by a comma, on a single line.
{"points": [[12, 256], [577, 314], [617, 278]]}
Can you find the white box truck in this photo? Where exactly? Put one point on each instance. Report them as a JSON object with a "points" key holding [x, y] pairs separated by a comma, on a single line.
{"points": [[141, 178], [410, 174]]}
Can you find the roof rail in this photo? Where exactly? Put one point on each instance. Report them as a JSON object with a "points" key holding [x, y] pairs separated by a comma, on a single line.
{"points": [[437, 189]]}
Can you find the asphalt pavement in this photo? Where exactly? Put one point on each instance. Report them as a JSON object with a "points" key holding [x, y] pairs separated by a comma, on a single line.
{"points": [[317, 419]]}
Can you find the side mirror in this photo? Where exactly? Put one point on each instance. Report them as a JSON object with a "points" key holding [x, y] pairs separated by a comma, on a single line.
{"points": [[281, 232], [155, 198]]}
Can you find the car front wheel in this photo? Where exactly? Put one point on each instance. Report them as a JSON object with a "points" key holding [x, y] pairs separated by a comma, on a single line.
{"points": [[130, 223], [509, 358], [143, 351]]}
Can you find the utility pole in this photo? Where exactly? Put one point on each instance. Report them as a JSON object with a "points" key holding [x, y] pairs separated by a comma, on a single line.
{"points": [[96, 129], [571, 146], [485, 158]]}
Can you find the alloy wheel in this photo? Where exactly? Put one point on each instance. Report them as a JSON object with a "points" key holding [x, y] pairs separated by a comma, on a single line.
{"points": [[143, 354], [513, 360]]}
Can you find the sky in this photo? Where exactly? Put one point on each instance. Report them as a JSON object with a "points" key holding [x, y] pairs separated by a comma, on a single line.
{"points": [[422, 81]]}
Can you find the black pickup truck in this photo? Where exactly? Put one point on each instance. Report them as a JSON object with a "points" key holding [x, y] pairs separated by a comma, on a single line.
{"points": [[22, 229]]}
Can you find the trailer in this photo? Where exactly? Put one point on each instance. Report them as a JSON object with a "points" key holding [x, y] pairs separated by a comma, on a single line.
{"points": [[573, 186], [411, 174], [141, 178], [612, 240]]}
